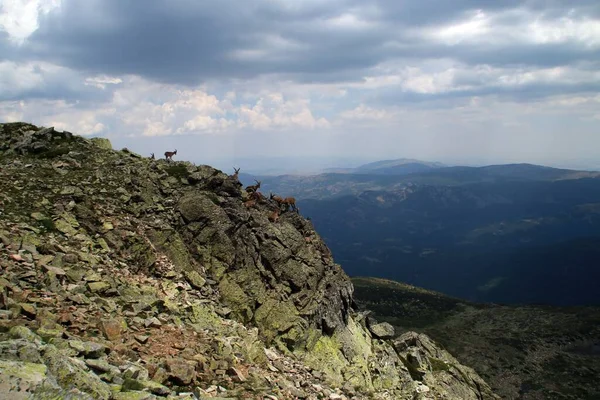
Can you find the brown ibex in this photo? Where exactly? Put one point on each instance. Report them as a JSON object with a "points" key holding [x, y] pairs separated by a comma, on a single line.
{"points": [[278, 199], [290, 202], [287, 202], [250, 204], [236, 173], [258, 196], [253, 188], [274, 216], [169, 155]]}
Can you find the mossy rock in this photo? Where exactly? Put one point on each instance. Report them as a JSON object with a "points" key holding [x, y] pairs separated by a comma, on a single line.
{"points": [[203, 318], [19, 380], [102, 143], [69, 374], [170, 243], [235, 298], [275, 317]]}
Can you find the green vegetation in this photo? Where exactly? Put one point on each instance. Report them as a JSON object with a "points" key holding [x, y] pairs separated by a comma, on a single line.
{"points": [[178, 171], [48, 225], [524, 352]]}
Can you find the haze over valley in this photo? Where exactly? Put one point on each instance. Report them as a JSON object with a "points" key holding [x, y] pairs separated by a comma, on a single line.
{"points": [[505, 233]]}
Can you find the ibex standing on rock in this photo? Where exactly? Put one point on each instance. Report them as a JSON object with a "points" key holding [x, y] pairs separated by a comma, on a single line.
{"points": [[287, 202], [253, 188], [169, 155], [274, 216], [235, 175]]}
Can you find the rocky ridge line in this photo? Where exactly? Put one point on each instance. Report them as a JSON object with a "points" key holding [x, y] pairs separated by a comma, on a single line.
{"points": [[129, 278]]}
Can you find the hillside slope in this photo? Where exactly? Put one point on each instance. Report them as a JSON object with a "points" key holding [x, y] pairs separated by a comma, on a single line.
{"points": [[129, 278], [524, 352], [512, 242]]}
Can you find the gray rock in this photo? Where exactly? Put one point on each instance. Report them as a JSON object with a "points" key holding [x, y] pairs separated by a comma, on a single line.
{"points": [[383, 330], [89, 349]]}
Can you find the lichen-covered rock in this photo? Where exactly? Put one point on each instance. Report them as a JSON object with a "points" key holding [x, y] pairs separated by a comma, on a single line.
{"points": [[383, 330], [19, 380], [88, 349], [71, 374], [102, 143], [439, 370]]}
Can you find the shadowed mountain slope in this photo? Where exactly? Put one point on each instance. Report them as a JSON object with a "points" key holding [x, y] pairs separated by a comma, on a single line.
{"points": [[525, 352]]}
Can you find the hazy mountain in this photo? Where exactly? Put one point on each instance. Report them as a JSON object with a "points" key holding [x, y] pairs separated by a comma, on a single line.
{"points": [[402, 166], [330, 185], [524, 352]]}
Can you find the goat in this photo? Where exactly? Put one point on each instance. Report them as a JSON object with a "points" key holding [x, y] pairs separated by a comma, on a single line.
{"points": [[290, 202], [253, 188], [258, 196], [169, 155], [250, 204], [152, 156], [278, 199], [274, 216], [235, 175]]}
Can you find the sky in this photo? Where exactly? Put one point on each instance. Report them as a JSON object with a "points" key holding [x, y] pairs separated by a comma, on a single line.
{"points": [[329, 82]]}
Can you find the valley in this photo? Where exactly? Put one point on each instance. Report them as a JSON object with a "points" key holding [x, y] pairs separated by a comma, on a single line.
{"points": [[524, 352], [507, 234]]}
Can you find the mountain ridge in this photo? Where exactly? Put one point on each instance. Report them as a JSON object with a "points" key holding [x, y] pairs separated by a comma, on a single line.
{"points": [[127, 278]]}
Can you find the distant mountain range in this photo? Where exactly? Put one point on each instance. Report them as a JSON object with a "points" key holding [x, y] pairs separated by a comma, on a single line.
{"points": [[517, 233], [351, 182], [402, 166]]}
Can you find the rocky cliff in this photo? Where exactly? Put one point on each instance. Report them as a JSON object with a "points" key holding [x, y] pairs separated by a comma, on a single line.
{"points": [[124, 277]]}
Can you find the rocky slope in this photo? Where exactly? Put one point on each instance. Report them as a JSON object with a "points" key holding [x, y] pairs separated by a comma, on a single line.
{"points": [[123, 277], [523, 352]]}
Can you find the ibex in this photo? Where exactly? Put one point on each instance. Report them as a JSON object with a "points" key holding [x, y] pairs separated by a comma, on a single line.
{"points": [[290, 202], [274, 216], [278, 199], [258, 196], [169, 155], [235, 175], [253, 188], [152, 156], [287, 202]]}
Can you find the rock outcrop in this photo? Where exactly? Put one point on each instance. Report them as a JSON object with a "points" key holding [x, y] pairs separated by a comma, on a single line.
{"points": [[129, 278]]}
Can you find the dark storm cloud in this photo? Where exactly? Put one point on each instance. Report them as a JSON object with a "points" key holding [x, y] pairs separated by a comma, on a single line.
{"points": [[189, 42]]}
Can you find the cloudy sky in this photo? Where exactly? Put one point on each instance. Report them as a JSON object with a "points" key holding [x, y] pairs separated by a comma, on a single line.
{"points": [[461, 81]]}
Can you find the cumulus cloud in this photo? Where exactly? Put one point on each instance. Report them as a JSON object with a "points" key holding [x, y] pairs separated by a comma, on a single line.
{"points": [[315, 71]]}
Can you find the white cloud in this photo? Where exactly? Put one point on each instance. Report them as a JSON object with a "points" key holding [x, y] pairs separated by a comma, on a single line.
{"points": [[19, 18], [363, 112], [102, 81]]}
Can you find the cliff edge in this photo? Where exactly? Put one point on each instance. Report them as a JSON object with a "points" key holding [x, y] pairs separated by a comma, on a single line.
{"points": [[124, 277]]}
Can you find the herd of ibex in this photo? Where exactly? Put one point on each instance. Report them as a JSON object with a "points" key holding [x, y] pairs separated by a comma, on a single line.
{"points": [[168, 155], [254, 196]]}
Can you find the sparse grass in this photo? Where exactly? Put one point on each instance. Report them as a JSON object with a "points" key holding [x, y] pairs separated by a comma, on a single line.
{"points": [[48, 225], [213, 197], [438, 365], [54, 152], [178, 171]]}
